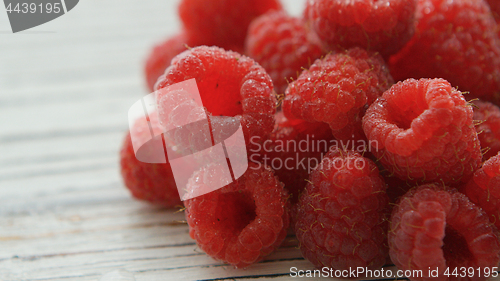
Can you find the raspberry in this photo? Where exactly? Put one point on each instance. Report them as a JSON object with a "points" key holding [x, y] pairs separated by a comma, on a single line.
{"points": [[440, 228], [383, 26], [488, 130], [230, 85], [151, 182], [160, 57], [456, 41], [337, 89], [223, 23], [242, 222], [342, 213], [293, 149], [484, 188], [423, 131], [282, 45]]}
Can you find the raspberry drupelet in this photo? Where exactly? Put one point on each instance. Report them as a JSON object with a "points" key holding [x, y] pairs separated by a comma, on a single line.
{"points": [[439, 228], [484, 188], [423, 131], [341, 216], [336, 90], [242, 222], [282, 45], [222, 23], [457, 41], [384, 26], [487, 115], [230, 85]]}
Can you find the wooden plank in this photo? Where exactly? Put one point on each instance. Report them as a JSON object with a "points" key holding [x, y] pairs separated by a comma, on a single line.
{"points": [[54, 185], [183, 261], [65, 116], [54, 148], [96, 89]]}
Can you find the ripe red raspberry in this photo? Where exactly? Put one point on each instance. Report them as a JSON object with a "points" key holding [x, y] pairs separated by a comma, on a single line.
{"points": [[282, 45], [488, 116], [294, 148], [440, 228], [484, 188], [242, 222], [341, 214], [222, 23], [151, 182], [423, 131], [230, 85], [337, 89], [160, 57], [456, 41], [383, 26]]}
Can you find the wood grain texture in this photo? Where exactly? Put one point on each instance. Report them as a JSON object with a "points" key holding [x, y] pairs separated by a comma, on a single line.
{"points": [[65, 89]]}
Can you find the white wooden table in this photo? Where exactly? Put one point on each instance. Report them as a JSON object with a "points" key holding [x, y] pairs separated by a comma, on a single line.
{"points": [[65, 89]]}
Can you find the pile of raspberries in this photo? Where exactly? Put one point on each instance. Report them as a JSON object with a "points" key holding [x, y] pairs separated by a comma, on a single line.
{"points": [[405, 94]]}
